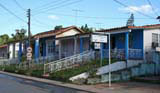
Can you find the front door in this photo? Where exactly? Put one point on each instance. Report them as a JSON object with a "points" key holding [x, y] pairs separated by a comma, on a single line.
{"points": [[50, 47]]}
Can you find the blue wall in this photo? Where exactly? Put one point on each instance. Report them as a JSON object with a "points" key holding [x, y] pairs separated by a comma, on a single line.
{"points": [[43, 40], [137, 39], [120, 41]]}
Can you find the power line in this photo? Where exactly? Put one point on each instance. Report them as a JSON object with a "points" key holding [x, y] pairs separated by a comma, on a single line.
{"points": [[133, 9], [49, 4], [63, 5], [149, 2], [39, 22], [2, 6], [22, 8], [94, 17]]}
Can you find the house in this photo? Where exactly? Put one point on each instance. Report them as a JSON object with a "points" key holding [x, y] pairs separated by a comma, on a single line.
{"points": [[134, 42], [127, 42], [12, 50], [58, 43], [3, 51]]}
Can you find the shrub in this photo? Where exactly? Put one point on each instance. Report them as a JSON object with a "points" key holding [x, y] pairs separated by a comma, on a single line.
{"points": [[21, 71], [10, 68], [37, 73]]}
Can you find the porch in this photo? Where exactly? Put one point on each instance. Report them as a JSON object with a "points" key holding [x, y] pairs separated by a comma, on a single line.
{"points": [[124, 45], [49, 49]]}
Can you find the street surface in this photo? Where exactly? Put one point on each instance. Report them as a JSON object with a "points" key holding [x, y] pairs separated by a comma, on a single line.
{"points": [[10, 84]]}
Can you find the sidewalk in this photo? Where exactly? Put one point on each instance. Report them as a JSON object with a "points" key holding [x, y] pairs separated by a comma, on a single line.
{"points": [[125, 87]]}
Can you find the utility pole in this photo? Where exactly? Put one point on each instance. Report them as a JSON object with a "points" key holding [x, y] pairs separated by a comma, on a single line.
{"points": [[76, 15], [29, 23], [29, 49]]}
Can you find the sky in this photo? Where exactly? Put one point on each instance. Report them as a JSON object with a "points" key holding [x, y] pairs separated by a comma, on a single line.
{"points": [[46, 14]]}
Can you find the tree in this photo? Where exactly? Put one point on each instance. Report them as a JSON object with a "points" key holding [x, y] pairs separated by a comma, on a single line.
{"points": [[86, 28], [4, 39], [19, 35], [58, 27]]}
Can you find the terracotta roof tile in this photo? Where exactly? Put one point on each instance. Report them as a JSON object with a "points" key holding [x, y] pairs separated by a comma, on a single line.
{"points": [[56, 32], [131, 27]]}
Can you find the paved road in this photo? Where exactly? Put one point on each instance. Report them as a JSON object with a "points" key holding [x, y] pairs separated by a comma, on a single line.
{"points": [[10, 84]]}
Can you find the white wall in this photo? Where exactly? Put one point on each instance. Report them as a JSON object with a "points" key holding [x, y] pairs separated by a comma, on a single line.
{"points": [[68, 33], [16, 49], [148, 37], [10, 51]]}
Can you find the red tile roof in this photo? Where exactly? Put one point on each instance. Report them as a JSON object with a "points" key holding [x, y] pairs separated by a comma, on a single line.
{"points": [[131, 27], [56, 32]]}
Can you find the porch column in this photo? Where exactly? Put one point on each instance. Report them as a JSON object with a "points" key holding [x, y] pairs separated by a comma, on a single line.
{"points": [[44, 47], [59, 49], [75, 45], [36, 49], [81, 45], [102, 51], [14, 48], [126, 45], [20, 52]]}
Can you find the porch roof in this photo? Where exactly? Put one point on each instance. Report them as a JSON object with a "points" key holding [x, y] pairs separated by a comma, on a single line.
{"points": [[73, 36], [3, 46], [56, 32], [125, 28]]}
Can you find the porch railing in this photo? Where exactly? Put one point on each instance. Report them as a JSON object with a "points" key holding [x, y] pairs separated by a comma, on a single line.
{"points": [[115, 53], [135, 53], [68, 62], [8, 61], [120, 53]]}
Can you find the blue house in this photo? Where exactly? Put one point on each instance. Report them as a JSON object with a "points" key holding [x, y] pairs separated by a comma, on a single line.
{"points": [[127, 42], [56, 44], [133, 42]]}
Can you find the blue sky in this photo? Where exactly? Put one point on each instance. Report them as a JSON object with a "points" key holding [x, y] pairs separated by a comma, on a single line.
{"points": [[96, 13]]}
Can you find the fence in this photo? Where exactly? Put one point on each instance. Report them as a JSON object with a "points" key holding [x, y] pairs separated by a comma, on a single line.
{"points": [[8, 61], [68, 62], [120, 54]]}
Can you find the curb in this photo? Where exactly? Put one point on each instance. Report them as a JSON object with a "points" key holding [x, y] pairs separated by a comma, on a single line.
{"points": [[52, 82]]}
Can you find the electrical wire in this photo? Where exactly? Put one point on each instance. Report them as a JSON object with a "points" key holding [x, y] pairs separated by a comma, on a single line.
{"points": [[63, 5], [39, 22], [124, 5], [149, 2], [19, 5], [12, 13], [93, 17], [53, 5], [49, 4]]}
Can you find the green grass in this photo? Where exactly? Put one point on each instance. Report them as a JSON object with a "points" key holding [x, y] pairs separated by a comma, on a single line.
{"points": [[90, 67], [63, 75]]}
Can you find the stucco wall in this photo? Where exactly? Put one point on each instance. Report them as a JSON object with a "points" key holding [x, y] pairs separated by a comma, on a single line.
{"points": [[148, 37], [11, 50], [68, 33]]}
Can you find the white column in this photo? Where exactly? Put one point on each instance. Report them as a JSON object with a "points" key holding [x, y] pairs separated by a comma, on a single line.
{"points": [[75, 45], [59, 49]]}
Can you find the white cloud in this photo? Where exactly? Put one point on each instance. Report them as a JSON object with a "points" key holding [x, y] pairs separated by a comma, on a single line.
{"points": [[53, 17], [147, 9]]}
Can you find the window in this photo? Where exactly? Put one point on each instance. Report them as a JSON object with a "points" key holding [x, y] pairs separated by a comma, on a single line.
{"points": [[51, 47], [154, 38]]}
